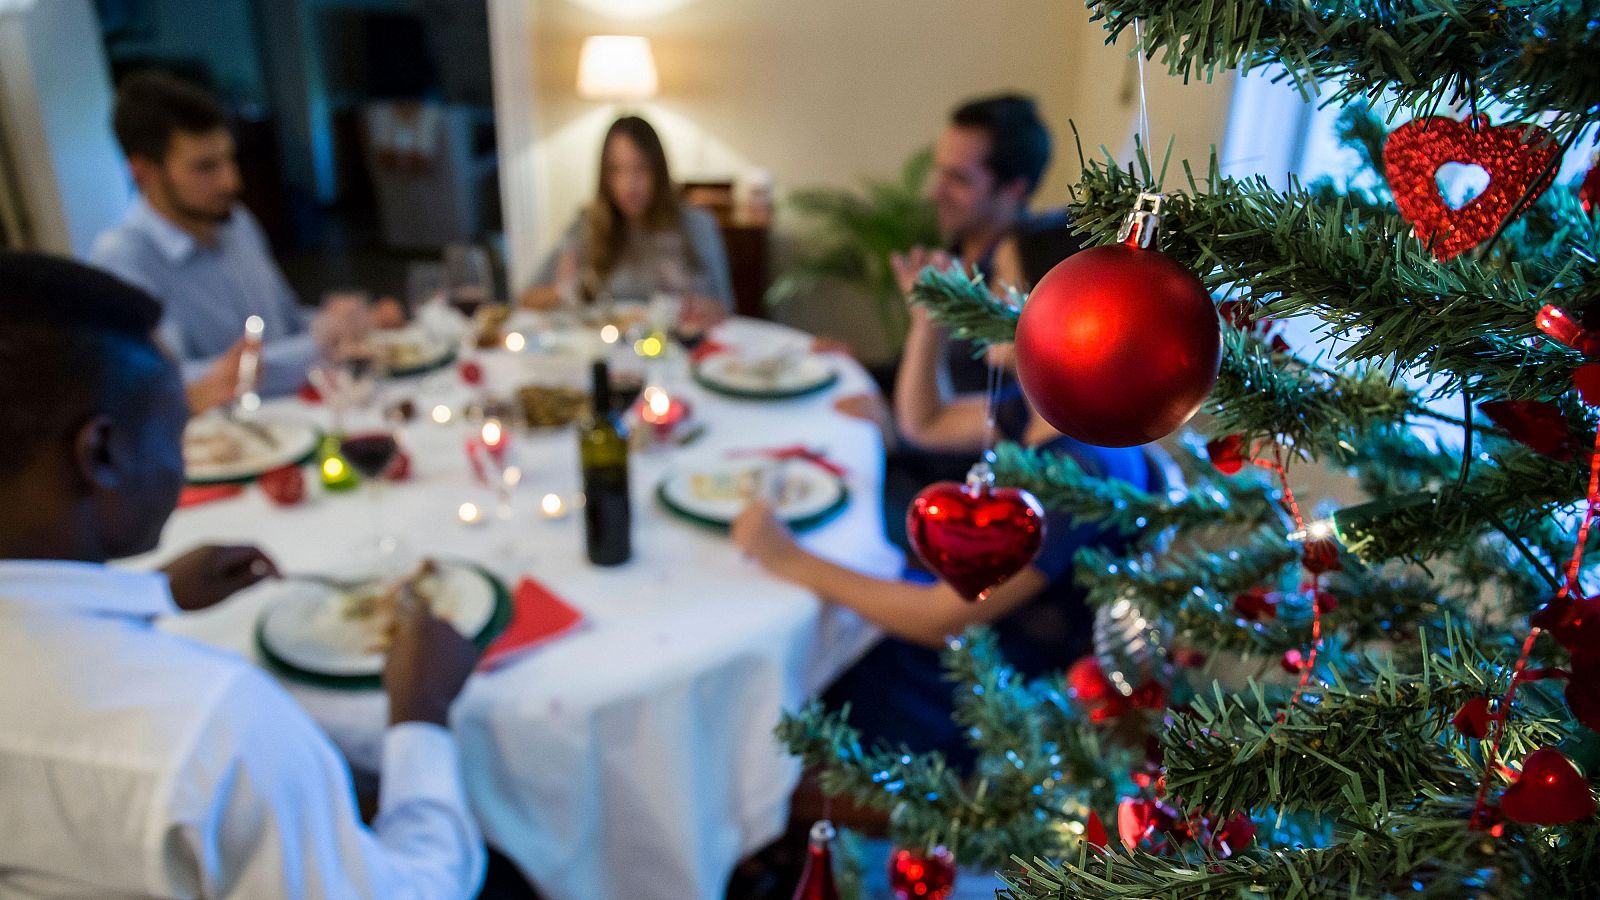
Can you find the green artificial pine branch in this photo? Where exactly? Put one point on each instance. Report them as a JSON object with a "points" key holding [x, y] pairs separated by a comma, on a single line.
{"points": [[1531, 55], [1061, 485], [1381, 736]]}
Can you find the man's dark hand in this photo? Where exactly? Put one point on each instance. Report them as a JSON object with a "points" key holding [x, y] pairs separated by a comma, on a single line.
{"points": [[428, 663], [206, 576]]}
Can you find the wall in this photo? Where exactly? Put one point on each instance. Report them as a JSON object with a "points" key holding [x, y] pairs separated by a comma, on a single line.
{"points": [[55, 109], [828, 91], [217, 33]]}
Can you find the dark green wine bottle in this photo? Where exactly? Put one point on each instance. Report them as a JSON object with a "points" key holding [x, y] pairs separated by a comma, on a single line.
{"points": [[607, 512]]}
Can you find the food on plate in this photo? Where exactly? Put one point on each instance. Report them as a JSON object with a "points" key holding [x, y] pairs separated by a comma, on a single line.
{"points": [[375, 605], [549, 406], [766, 372], [746, 483], [488, 325], [216, 441], [406, 353]]}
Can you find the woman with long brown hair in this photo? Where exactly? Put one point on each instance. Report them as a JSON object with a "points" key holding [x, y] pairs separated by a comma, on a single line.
{"points": [[636, 239]]}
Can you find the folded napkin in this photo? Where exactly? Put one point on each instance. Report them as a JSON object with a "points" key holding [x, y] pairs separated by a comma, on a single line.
{"points": [[196, 494], [537, 616], [796, 451], [707, 347]]}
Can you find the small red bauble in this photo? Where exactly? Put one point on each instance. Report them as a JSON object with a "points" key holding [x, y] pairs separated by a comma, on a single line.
{"points": [[974, 536], [1293, 661], [917, 876], [471, 373], [285, 486], [1151, 694], [1319, 556], [1118, 346], [1472, 719], [1091, 688], [1257, 603], [1326, 602], [1517, 157], [1227, 453], [1550, 791], [1233, 835]]}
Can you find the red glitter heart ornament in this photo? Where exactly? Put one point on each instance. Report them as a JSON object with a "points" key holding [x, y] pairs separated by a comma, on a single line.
{"points": [[915, 876], [974, 536], [1518, 158], [1550, 791]]}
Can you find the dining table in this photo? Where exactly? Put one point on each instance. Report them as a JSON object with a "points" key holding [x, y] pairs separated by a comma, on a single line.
{"points": [[633, 756]]}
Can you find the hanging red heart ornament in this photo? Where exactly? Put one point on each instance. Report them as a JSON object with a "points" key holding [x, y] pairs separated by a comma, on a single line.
{"points": [[1519, 159], [1550, 791], [974, 536]]}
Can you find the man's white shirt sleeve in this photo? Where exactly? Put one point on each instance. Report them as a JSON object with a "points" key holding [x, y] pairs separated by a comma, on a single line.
{"points": [[263, 807]]}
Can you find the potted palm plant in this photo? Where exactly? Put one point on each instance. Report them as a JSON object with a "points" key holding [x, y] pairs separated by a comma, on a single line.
{"points": [[848, 237]]}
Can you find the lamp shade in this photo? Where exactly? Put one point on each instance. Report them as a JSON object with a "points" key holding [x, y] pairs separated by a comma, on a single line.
{"points": [[616, 67]]}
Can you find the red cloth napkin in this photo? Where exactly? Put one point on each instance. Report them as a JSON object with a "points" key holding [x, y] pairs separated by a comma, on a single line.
{"points": [[708, 347], [537, 616], [196, 494], [797, 451]]}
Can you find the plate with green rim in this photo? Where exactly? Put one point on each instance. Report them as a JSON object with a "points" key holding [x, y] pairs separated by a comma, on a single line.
{"points": [[419, 351], [731, 375], [712, 496], [262, 447], [303, 636]]}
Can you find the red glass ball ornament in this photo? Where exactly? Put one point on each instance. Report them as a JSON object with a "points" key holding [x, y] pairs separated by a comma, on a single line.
{"points": [[917, 876], [1319, 556], [285, 486], [1550, 791], [1228, 453], [974, 537], [1118, 346]]}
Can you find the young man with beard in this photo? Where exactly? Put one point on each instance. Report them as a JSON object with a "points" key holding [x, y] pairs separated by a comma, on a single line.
{"points": [[189, 242]]}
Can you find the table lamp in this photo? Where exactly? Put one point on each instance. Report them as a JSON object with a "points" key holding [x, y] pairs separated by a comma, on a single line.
{"points": [[616, 67]]}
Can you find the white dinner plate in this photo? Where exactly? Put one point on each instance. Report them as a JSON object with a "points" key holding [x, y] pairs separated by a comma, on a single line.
{"points": [[710, 494], [422, 350], [303, 626], [741, 376], [264, 446]]}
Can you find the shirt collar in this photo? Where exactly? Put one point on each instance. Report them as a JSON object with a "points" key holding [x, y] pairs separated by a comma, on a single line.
{"points": [[87, 588], [174, 243]]}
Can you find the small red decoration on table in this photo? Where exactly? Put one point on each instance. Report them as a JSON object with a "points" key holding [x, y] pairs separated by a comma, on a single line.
{"points": [[308, 393], [1472, 719], [816, 880], [285, 486], [471, 372], [1549, 791], [917, 876], [661, 412], [1119, 345], [1519, 159], [400, 468], [974, 536]]}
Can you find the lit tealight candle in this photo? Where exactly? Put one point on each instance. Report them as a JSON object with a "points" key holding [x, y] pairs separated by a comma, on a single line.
{"points": [[649, 347], [552, 506], [494, 436], [610, 334], [469, 513], [661, 411], [441, 414], [515, 342]]}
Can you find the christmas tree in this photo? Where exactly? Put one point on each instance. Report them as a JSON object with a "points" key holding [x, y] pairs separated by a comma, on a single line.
{"points": [[1427, 660]]}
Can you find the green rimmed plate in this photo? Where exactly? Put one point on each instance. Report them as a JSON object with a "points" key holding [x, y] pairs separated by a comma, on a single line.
{"points": [[294, 444], [302, 636], [816, 495], [727, 374]]}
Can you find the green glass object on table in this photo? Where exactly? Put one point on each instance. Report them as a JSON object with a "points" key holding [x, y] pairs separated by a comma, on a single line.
{"points": [[337, 474]]}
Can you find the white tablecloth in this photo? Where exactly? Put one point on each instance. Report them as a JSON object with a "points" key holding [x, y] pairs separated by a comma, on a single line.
{"points": [[635, 757]]}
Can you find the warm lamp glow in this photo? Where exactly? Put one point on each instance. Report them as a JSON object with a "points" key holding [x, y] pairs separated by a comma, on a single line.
{"points": [[616, 67]]}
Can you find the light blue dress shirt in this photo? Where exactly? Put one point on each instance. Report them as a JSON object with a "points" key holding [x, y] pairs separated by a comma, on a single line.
{"points": [[208, 290]]}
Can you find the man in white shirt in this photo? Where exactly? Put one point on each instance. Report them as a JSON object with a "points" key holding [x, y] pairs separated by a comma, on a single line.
{"points": [[134, 763]]}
